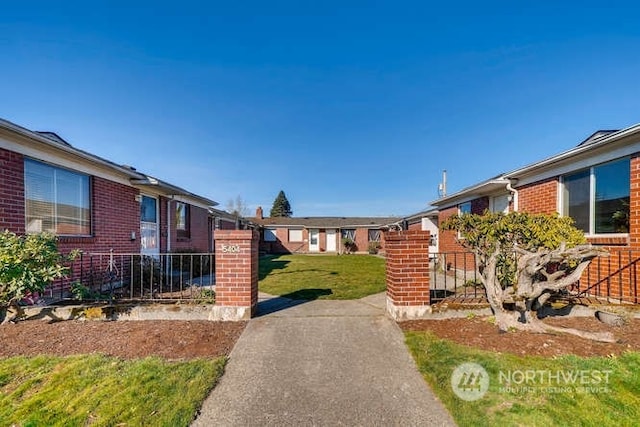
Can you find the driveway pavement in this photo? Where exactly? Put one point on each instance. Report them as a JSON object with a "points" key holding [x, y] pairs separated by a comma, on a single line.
{"points": [[322, 363]]}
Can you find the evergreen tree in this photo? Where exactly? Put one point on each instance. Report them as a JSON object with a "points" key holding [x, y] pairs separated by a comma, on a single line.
{"points": [[281, 206]]}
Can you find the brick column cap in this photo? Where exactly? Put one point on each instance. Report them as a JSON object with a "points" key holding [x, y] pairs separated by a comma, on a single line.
{"points": [[397, 236], [236, 235]]}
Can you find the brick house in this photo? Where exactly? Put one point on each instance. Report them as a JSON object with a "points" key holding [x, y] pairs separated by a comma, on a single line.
{"points": [[597, 183], [93, 204], [319, 234]]}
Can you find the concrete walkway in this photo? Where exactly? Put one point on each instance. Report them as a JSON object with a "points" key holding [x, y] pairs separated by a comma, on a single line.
{"points": [[322, 363]]}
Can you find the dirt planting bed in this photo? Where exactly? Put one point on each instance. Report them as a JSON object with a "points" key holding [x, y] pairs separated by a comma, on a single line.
{"points": [[127, 339]]}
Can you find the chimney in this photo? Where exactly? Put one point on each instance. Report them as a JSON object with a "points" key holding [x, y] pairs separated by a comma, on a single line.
{"points": [[259, 214]]}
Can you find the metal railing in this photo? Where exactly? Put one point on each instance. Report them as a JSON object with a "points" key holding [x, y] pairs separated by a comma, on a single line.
{"points": [[167, 277], [612, 278], [454, 274]]}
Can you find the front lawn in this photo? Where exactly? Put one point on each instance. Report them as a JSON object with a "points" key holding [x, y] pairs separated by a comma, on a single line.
{"points": [[532, 391], [103, 391], [322, 276]]}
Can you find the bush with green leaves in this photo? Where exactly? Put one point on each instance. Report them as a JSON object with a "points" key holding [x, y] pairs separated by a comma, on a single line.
{"points": [[28, 264], [522, 260]]}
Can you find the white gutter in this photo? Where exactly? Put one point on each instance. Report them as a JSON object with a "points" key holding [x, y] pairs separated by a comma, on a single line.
{"points": [[67, 148], [574, 151]]}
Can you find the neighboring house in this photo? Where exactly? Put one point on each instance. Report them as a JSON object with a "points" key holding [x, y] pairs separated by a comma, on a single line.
{"points": [[319, 234], [93, 204], [597, 183], [426, 221]]}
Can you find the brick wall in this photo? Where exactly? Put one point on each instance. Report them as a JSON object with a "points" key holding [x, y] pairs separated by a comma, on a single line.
{"points": [[199, 233], [283, 245], [407, 272], [11, 191], [237, 269], [539, 197], [115, 214]]}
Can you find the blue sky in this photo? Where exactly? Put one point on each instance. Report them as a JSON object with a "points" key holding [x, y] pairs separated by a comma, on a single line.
{"points": [[351, 108]]}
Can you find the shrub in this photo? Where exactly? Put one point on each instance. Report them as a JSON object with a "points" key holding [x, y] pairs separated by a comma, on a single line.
{"points": [[374, 247], [28, 264]]}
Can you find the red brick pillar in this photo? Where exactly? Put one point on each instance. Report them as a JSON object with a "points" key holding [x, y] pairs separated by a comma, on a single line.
{"points": [[407, 274], [236, 273]]}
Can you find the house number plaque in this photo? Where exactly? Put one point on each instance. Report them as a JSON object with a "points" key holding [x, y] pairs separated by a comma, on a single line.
{"points": [[234, 249]]}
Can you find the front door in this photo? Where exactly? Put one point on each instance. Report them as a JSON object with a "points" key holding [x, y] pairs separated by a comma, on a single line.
{"points": [[331, 240], [314, 240], [149, 238]]}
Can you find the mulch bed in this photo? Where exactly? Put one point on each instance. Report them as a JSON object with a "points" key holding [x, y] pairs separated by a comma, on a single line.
{"points": [[480, 333], [127, 339]]}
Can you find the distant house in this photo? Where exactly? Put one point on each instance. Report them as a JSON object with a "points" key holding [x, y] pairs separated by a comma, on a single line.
{"points": [[93, 204], [426, 220], [320, 234]]}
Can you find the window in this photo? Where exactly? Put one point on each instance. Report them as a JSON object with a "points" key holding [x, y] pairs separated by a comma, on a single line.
{"points": [[295, 235], [56, 200], [374, 235], [270, 235], [464, 208], [500, 203], [183, 220], [348, 233], [598, 198]]}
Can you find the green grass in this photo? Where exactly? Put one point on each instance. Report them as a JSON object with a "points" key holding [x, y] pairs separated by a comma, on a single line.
{"points": [[98, 390], [322, 276], [531, 404]]}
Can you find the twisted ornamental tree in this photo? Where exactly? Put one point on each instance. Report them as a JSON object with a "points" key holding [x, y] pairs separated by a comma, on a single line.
{"points": [[27, 265], [522, 260]]}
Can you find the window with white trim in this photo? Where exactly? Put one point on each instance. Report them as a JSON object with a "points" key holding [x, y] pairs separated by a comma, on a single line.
{"points": [[270, 235], [598, 198], [374, 235], [348, 233], [183, 220], [464, 208], [56, 200], [295, 235]]}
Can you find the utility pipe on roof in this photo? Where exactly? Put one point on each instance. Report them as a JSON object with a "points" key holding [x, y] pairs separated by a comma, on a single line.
{"points": [[515, 195]]}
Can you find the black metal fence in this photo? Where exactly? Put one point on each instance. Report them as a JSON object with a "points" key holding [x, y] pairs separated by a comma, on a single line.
{"points": [[454, 274], [110, 276], [612, 279]]}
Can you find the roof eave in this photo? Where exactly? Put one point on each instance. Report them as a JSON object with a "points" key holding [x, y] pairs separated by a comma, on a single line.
{"points": [[67, 149], [482, 189], [566, 155]]}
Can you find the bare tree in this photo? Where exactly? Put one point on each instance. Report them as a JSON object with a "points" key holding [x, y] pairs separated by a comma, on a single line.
{"points": [[238, 207], [522, 260]]}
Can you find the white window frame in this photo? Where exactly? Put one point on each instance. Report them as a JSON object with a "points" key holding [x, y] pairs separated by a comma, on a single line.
{"points": [[55, 205], [348, 233], [460, 213], [270, 235], [293, 238], [592, 199]]}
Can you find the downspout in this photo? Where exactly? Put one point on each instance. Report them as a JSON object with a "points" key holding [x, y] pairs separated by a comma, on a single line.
{"points": [[514, 192]]}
